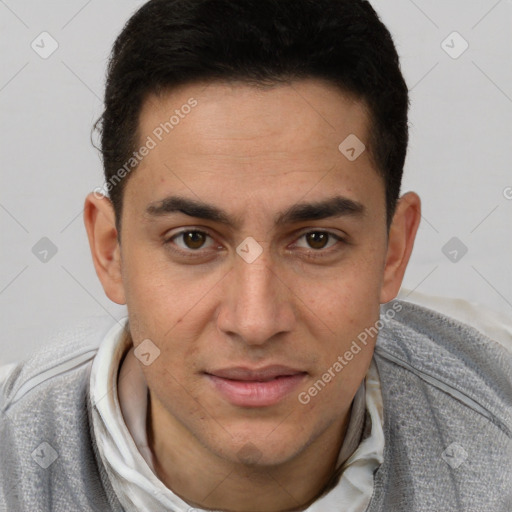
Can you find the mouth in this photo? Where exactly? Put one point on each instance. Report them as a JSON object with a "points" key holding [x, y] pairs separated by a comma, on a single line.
{"points": [[262, 387]]}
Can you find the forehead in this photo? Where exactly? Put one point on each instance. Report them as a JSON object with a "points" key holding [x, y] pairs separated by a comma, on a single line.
{"points": [[234, 141]]}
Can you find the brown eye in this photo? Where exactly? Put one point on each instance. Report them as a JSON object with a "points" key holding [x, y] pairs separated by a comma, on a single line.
{"points": [[317, 239], [194, 239]]}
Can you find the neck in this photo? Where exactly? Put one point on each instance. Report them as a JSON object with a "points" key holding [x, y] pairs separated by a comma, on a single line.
{"points": [[206, 480]]}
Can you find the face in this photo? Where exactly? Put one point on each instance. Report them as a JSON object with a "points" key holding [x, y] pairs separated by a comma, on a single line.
{"points": [[253, 253]]}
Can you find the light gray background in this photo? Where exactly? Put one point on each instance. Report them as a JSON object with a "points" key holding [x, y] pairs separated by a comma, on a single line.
{"points": [[459, 158]]}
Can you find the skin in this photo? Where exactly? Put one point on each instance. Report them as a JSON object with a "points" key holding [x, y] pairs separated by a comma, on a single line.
{"points": [[254, 153]]}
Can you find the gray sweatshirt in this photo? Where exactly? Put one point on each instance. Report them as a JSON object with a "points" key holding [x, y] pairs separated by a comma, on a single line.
{"points": [[447, 397]]}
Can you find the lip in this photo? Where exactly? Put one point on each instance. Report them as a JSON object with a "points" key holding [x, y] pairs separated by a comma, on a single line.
{"points": [[261, 387]]}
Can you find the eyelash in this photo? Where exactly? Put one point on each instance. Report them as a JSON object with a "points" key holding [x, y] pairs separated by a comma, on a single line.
{"points": [[199, 253]]}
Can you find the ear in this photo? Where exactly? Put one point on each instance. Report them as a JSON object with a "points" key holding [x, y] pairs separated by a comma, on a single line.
{"points": [[99, 219], [401, 238]]}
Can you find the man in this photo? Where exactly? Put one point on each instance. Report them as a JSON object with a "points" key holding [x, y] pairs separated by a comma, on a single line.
{"points": [[252, 223]]}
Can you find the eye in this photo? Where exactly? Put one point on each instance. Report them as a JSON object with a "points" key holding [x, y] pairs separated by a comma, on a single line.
{"points": [[318, 240], [191, 240]]}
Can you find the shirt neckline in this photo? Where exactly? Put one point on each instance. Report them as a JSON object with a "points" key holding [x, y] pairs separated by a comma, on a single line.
{"points": [[128, 459]]}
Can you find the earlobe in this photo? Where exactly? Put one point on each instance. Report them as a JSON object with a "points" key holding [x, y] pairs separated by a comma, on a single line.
{"points": [[402, 234], [99, 219]]}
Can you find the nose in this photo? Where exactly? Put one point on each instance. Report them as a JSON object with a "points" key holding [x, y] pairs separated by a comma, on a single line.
{"points": [[257, 304]]}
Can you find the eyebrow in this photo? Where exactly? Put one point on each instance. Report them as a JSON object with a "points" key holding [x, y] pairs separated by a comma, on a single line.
{"points": [[337, 206], [190, 207]]}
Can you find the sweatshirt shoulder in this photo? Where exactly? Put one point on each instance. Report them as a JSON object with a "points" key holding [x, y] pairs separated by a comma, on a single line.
{"points": [[65, 353], [448, 354], [48, 457]]}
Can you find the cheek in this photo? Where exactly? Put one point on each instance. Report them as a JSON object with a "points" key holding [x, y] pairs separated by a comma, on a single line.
{"points": [[172, 313], [341, 319], [155, 297], [348, 300]]}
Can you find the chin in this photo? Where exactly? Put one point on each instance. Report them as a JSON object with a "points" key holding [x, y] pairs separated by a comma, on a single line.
{"points": [[263, 450]]}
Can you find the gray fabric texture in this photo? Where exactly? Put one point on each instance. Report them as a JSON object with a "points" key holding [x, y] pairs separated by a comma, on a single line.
{"points": [[447, 395]]}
